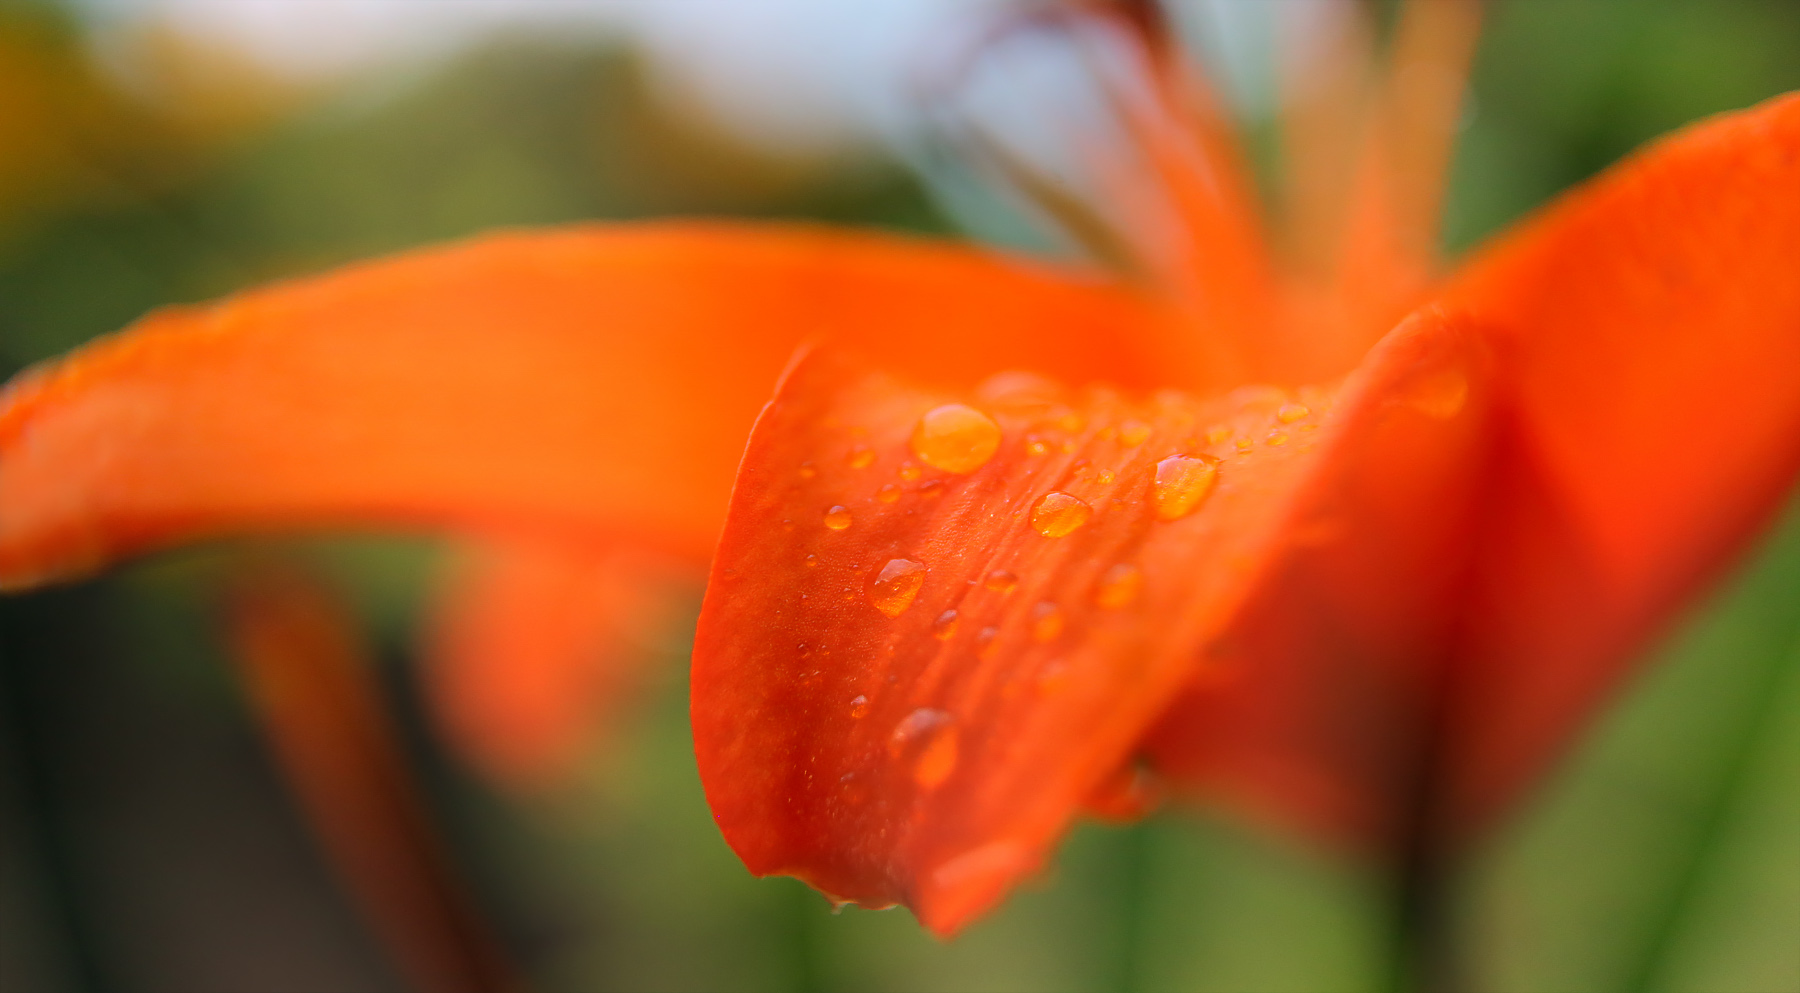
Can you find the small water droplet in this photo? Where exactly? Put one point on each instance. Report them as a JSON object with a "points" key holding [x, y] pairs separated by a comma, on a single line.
{"points": [[888, 493], [910, 471], [1276, 439], [860, 457], [945, 626], [1052, 677], [985, 640], [1046, 621], [859, 707], [1133, 433], [955, 438], [1059, 514], [1068, 448], [808, 470], [1119, 586], [811, 561], [894, 587], [837, 518], [931, 488], [1183, 482], [1105, 478], [1001, 581], [1036, 446], [1291, 412], [1244, 444], [1217, 434]]}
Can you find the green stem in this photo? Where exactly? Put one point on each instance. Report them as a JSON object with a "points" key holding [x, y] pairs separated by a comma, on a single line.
{"points": [[1711, 835]]}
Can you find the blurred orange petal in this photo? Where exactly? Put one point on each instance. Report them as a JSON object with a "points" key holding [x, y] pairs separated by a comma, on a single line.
{"points": [[533, 647], [596, 381]]}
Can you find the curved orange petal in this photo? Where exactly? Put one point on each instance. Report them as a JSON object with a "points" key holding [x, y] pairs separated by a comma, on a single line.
{"points": [[599, 379], [908, 680], [1649, 328], [532, 644]]}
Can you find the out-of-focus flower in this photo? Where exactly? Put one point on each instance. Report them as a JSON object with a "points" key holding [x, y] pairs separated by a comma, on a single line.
{"points": [[1364, 574]]}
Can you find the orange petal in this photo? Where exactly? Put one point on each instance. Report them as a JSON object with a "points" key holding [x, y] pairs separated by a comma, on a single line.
{"points": [[599, 379], [1320, 712], [532, 645], [1650, 325], [307, 673], [908, 680]]}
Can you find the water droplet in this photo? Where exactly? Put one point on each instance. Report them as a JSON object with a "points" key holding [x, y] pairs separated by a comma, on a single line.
{"points": [[1291, 412], [928, 737], [893, 588], [1119, 586], [808, 470], [1036, 446], [910, 471], [859, 707], [1276, 439], [1059, 514], [955, 438], [1440, 395], [1001, 581], [811, 561], [1046, 621], [1052, 677], [937, 761], [860, 457], [837, 518], [931, 488], [985, 640], [1217, 434], [1071, 422], [944, 626], [1068, 448], [888, 493], [1133, 433], [1244, 444], [1183, 482], [1105, 478]]}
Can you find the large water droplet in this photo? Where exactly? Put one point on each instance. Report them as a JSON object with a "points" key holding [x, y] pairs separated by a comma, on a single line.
{"points": [[1001, 581], [927, 738], [859, 707], [893, 588], [955, 438], [1058, 514], [1119, 586], [1183, 482], [944, 626], [837, 518], [1046, 621]]}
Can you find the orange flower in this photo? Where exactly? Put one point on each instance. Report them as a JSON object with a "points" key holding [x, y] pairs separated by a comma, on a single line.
{"points": [[1364, 575]]}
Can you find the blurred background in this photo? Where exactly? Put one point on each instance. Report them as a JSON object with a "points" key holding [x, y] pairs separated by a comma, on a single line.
{"points": [[159, 151]]}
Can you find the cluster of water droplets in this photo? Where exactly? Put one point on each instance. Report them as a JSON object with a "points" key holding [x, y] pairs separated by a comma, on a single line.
{"points": [[958, 440]]}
